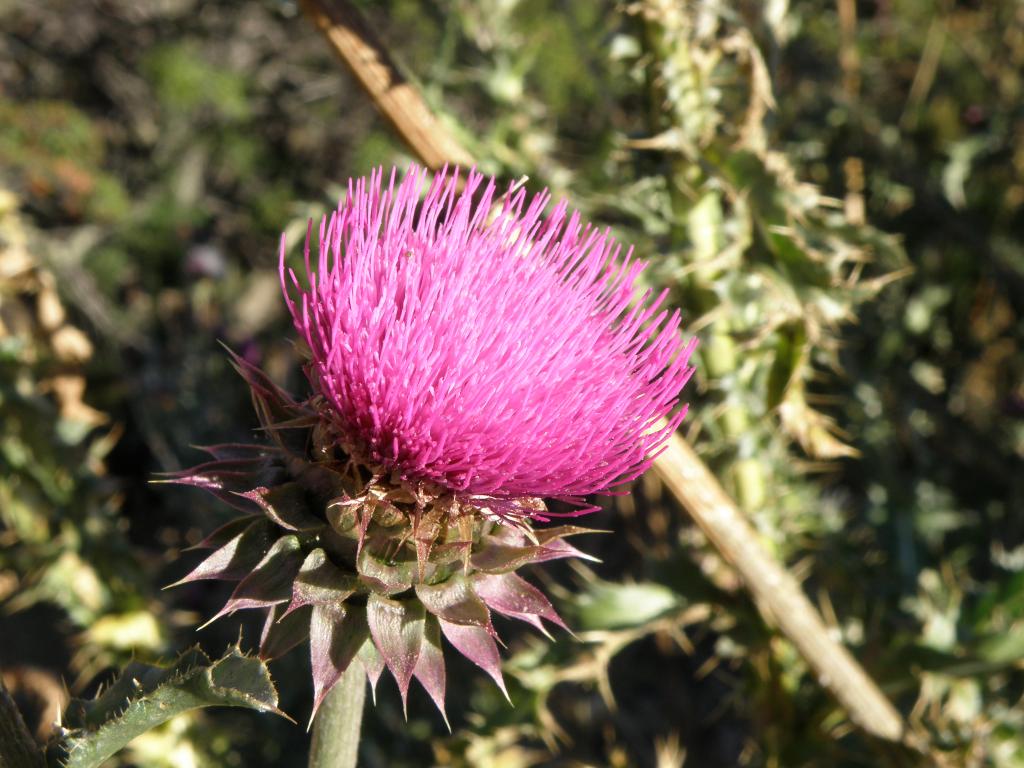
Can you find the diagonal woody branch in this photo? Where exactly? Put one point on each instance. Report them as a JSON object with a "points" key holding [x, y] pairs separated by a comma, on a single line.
{"points": [[397, 98], [776, 592]]}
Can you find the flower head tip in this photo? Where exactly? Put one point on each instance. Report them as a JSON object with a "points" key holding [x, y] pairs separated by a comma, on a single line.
{"points": [[499, 353]]}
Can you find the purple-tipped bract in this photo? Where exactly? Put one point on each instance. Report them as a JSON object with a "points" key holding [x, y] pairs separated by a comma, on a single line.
{"points": [[500, 353]]}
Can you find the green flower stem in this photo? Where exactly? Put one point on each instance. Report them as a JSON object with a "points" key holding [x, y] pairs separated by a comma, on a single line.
{"points": [[337, 725]]}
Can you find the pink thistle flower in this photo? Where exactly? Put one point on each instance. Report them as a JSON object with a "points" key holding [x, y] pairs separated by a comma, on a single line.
{"points": [[496, 354], [466, 363]]}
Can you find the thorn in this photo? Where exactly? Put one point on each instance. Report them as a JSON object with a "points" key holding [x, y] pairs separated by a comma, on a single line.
{"points": [[494, 633], [283, 714], [223, 612], [535, 622], [373, 684], [504, 690]]}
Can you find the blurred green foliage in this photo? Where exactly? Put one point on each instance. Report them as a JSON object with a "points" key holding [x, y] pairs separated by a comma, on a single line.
{"points": [[53, 155], [832, 192]]}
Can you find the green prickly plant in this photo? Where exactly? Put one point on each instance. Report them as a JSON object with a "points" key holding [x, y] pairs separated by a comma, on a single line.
{"points": [[770, 267], [145, 696]]}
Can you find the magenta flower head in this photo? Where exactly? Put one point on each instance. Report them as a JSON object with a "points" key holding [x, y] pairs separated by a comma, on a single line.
{"points": [[494, 351], [469, 358]]}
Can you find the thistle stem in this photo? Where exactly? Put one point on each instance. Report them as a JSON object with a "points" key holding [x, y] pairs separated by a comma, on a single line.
{"points": [[338, 723]]}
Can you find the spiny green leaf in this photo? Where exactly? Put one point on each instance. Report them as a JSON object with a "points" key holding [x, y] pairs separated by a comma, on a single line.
{"points": [[145, 696]]}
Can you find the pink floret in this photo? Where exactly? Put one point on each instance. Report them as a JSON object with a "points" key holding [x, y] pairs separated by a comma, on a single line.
{"points": [[502, 354]]}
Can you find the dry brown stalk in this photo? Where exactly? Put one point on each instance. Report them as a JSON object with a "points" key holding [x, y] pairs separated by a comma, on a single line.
{"points": [[776, 592], [398, 100]]}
